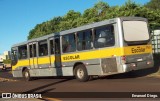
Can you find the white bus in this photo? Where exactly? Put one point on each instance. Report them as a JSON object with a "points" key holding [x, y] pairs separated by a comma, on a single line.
{"points": [[107, 47]]}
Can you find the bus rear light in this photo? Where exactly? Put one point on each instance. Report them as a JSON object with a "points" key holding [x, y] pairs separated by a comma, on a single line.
{"points": [[123, 59], [63, 65], [113, 55], [133, 65], [86, 64], [149, 62]]}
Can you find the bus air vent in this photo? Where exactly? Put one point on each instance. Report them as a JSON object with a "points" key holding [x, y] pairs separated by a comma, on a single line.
{"points": [[109, 65]]}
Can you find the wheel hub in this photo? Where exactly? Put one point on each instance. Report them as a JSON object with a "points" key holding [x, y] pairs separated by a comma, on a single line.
{"points": [[26, 74], [80, 73]]}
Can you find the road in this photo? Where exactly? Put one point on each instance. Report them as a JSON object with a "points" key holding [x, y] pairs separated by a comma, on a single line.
{"points": [[69, 85]]}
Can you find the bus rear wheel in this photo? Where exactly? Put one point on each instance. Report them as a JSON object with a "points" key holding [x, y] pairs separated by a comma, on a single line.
{"points": [[81, 73], [26, 75]]}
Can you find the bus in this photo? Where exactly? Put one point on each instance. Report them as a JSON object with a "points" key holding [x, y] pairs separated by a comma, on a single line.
{"points": [[102, 48]]}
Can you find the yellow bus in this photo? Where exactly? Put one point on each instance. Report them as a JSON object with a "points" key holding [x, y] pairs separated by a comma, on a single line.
{"points": [[102, 48]]}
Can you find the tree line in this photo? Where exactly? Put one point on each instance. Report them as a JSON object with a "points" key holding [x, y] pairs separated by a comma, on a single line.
{"points": [[100, 11]]}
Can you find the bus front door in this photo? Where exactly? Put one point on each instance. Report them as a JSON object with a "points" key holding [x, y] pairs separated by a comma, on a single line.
{"points": [[57, 61], [57, 53], [33, 55]]}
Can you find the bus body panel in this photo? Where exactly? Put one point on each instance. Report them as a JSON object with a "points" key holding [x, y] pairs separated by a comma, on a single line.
{"points": [[44, 62], [17, 73], [104, 63], [138, 53]]}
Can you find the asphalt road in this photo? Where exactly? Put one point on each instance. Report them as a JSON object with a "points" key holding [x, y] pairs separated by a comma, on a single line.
{"points": [[69, 86]]}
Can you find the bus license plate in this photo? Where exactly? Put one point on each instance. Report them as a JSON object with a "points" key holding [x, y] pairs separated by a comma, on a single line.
{"points": [[140, 59]]}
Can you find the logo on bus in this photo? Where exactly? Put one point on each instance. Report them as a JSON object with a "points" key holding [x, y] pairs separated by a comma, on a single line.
{"points": [[138, 50], [71, 57]]}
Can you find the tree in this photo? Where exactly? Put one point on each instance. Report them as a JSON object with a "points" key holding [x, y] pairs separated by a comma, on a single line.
{"points": [[100, 11], [101, 7], [69, 20], [72, 15], [45, 28], [153, 4], [90, 15]]}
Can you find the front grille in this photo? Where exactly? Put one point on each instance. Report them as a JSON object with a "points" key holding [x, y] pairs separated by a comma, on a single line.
{"points": [[109, 65]]}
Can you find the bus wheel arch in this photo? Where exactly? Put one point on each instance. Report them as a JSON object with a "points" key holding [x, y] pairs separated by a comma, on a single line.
{"points": [[76, 64], [80, 72], [26, 74], [24, 69]]}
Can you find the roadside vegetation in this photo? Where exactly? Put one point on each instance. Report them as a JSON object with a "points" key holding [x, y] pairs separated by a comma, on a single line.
{"points": [[7, 61], [100, 11]]}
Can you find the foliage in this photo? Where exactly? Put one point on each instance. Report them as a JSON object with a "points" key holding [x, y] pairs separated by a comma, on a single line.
{"points": [[100, 11], [7, 61], [153, 4]]}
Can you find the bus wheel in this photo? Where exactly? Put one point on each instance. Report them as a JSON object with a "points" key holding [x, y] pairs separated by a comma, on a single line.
{"points": [[81, 73], [26, 75]]}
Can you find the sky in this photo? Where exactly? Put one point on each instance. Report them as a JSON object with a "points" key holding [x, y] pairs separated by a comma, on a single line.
{"points": [[18, 17]]}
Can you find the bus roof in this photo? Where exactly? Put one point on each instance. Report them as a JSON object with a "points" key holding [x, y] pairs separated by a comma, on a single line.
{"points": [[81, 28]]}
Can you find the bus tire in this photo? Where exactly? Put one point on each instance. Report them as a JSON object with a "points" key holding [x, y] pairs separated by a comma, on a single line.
{"points": [[26, 75], [81, 73]]}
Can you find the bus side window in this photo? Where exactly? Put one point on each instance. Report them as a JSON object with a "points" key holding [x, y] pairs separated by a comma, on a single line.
{"points": [[52, 47], [104, 36], [43, 48], [30, 51], [84, 40], [22, 52], [34, 50], [68, 43]]}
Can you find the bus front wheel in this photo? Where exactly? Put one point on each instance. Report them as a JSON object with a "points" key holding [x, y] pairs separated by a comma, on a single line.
{"points": [[26, 75], [81, 73]]}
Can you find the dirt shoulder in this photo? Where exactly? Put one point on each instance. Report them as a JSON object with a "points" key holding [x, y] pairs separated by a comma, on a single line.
{"points": [[6, 80]]}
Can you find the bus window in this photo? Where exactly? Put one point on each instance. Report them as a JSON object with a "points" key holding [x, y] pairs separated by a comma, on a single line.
{"points": [[84, 40], [34, 50], [52, 47], [135, 31], [22, 52], [68, 43], [30, 51], [57, 46], [14, 56], [104, 36], [43, 48]]}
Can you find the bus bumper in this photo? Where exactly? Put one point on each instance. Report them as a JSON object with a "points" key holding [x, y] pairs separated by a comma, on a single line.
{"points": [[17, 73], [138, 65]]}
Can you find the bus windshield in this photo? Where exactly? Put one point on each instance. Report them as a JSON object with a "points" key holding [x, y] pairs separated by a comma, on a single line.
{"points": [[135, 31], [14, 57]]}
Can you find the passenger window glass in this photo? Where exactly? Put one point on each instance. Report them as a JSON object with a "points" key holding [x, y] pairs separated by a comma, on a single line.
{"points": [[104, 36], [84, 40], [52, 47], [57, 46], [22, 52], [14, 55], [32, 50], [43, 48], [68, 43]]}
